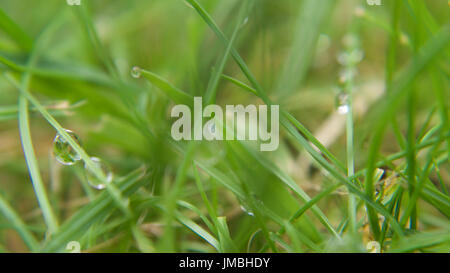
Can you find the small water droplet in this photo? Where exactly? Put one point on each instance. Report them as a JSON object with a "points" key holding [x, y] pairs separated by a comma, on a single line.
{"points": [[356, 56], [343, 109], [136, 72], [350, 40], [350, 58], [244, 22], [64, 153], [343, 58], [342, 103], [246, 210], [245, 207], [347, 74], [92, 179]]}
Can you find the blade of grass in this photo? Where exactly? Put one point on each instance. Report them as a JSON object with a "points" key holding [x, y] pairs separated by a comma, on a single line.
{"points": [[210, 94], [410, 211], [83, 14], [25, 134], [15, 31], [226, 243], [90, 214], [198, 230], [249, 197], [421, 241], [426, 55], [223, 234], [167, 242], [260, 93], [296, 123], [339, 177], [33, 167], [288, 181], [18, 225], [122, 203], [175, 94], [310, 20]]}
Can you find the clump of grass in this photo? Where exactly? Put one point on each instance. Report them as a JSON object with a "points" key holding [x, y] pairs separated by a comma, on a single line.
{"points": [[385, 179]]}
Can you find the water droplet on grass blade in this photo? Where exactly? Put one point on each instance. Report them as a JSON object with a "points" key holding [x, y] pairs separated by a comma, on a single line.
{"points": [[244, 22], [245, 207], [342, 106], [350, 58], [343, 109], [248, 211], [64, 153], [356, 56], [92, 178], [347, 74], [136, 72], [342, 58]]}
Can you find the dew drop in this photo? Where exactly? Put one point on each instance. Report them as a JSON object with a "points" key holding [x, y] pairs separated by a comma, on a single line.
{"points": [[64, 153], [92, 179], [343, 58], [245, 207], [356, 56], [342, 106], [136, 72], [244, 22], [246, 210], [343, 109], [347, 74], [350, 58]]}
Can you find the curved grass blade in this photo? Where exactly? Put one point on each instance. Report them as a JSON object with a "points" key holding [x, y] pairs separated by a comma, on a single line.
{"points": [[111, 188], [433, 47], [25, 133], [175, 94], [19, 225], [15, 32], [198, 230], [90, 214], [210, 94]]}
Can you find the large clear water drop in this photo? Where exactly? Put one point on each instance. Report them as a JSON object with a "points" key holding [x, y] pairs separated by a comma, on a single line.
{"points": [[136, 72], [64, 153]]}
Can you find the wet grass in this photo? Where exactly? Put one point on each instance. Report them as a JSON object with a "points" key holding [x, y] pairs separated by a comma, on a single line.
{"points": [[383, 177]]}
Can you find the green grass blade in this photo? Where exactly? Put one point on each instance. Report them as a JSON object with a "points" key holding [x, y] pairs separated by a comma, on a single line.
{"points": [[15, 32], [210, 94], [76, 226], [311, 18], [84, 16], [121, 202], [426, 55], [175, 94], [198, 230], [33, 166], [19, 225]]}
